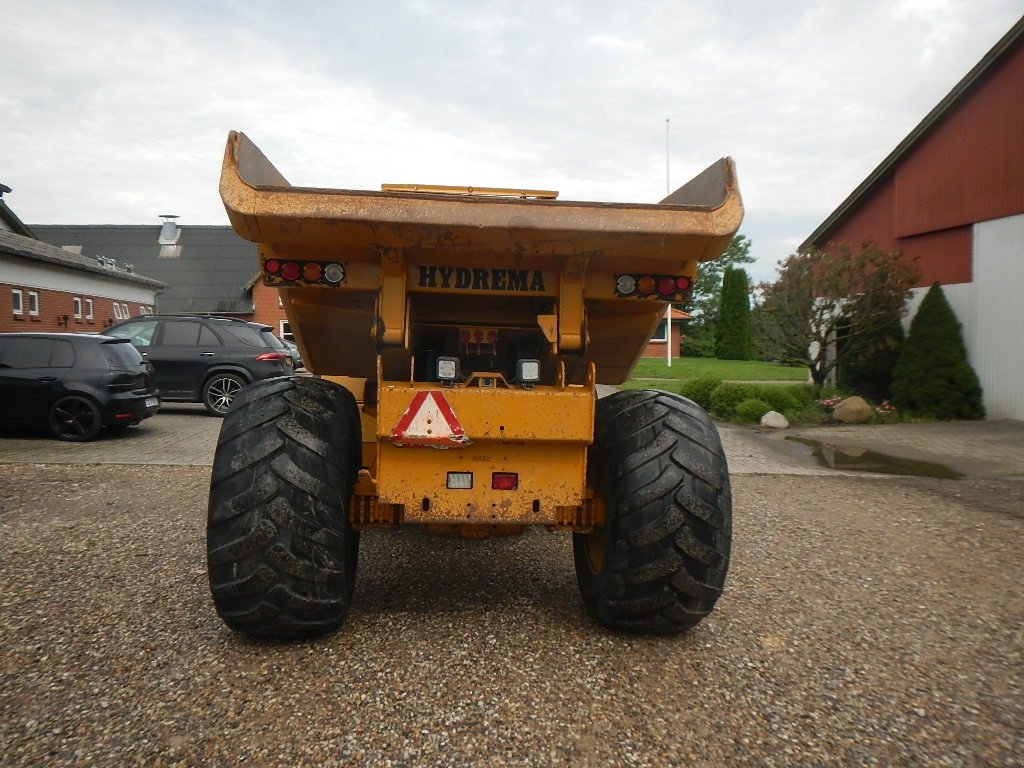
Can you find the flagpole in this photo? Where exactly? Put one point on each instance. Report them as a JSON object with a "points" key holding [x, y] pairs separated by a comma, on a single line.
{"points": [[668, 309]]}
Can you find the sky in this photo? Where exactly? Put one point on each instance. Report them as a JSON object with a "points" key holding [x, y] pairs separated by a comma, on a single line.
{"points": [[118, 112]]}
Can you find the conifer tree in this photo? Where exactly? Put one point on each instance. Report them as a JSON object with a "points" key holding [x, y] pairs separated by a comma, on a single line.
{"points": [[734, 337], [933, 378]]}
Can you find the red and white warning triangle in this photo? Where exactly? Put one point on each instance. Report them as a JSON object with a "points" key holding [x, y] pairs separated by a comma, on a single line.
{"points": [[429, 420]]}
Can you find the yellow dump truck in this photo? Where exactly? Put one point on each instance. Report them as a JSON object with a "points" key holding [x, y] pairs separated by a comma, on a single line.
{"points": [[457, 337]]}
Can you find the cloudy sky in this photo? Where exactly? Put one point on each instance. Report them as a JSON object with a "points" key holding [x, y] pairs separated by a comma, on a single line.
{"points": [[117, 112]]}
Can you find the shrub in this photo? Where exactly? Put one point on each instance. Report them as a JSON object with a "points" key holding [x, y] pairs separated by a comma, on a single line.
{"points": [[751, 410], [703, 346], [727, 395], [779, 397], [699, 390], [932, 378], [869, 361]]}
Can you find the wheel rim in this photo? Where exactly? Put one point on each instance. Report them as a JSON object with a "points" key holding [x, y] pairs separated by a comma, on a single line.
{"points": [[594, 550], [221, 393], [73, 418]]}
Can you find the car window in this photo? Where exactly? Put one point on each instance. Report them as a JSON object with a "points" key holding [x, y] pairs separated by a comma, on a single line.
{"points": [[27, 353], [180, 333], [208, 338], [63, 355], [246, 334], [272, 341], [140, 334], [121, 354]]}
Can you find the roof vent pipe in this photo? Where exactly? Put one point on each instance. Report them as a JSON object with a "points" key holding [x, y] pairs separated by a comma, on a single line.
{"points": [[169, 231]]}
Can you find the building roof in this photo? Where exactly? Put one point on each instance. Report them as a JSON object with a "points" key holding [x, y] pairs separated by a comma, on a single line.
{"points": [[205, 268], [29, 248], [9, 219], [953, 99]]}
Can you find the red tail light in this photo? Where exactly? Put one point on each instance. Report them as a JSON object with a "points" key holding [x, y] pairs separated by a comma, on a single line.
{"points": [[504, 481], [271, 356]]}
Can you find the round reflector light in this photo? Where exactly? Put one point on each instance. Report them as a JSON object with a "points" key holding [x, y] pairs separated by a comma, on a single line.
{"points": [[645, 285], [666, 286], [683, 283], [625, 285], [334, 273], [273, 266], [290, 270], [311, 272]]}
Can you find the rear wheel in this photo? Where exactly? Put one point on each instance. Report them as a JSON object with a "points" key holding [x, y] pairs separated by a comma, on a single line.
{"points": [[280, 549], [658, 564], [76, 419], [220, 391]]}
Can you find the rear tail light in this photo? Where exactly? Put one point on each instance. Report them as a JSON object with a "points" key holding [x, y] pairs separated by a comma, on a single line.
{"points": [[266, 356], [310, 272], [128, 382], [504, 481], [661, 287]]}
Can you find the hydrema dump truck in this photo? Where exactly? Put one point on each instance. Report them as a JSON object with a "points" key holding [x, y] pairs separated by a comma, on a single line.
{"points": [[457, 338]]}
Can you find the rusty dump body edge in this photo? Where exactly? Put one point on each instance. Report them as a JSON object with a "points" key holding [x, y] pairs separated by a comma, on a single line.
{"points": [[396, 247]]}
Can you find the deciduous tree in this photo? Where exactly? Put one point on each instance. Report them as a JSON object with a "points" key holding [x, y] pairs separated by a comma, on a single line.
{"points": [[820, 300]]}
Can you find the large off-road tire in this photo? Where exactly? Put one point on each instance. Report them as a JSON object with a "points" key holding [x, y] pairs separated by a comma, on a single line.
{"points": [[658, 564], [280, 549]]}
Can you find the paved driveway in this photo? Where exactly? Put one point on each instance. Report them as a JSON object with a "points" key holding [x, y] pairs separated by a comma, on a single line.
{"points": [[183, 434]]}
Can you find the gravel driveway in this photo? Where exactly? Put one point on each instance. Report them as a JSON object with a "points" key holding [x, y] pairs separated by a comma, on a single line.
{"points": [[866, 621]]}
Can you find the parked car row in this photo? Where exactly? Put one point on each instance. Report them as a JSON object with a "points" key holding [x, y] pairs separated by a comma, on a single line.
{"points": [[74, 385]]}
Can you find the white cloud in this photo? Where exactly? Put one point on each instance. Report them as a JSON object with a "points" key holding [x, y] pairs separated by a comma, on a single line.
{"points": [[115, 112]]}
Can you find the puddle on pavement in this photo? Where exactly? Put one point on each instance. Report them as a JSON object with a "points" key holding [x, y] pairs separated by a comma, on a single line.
{"points": [[854, 458]]}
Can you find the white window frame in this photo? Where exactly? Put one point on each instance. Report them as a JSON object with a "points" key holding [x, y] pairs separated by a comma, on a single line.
{"points": [[117, 311], [88, 309], [33, 303], [77, 304], [663, 328], [17, 302], [125, 312]]}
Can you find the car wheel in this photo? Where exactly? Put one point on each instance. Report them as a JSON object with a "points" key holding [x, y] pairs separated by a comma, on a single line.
{"points": [[219, 392], [76, 419]]}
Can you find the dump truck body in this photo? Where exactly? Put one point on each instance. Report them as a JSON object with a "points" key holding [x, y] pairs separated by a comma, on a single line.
{"points": [[471, 327]]}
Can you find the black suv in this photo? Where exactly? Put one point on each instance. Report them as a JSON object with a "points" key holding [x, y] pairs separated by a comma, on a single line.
{"points": [[73, 384], [205, 359]]}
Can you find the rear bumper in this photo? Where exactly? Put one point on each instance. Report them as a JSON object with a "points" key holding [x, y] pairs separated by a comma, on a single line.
{"points": [[130, 408], [539, 437]]}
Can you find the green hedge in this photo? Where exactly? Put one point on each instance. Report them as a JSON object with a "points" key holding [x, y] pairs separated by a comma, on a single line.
{"points": [[785, 399], [699, 390], [751, 411]]}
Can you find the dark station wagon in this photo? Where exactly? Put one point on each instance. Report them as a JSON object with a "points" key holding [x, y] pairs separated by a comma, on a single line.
{"points": [[72, 384]]}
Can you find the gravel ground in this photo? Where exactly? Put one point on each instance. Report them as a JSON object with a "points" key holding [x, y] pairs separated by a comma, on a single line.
{"points": [[866, 621]]}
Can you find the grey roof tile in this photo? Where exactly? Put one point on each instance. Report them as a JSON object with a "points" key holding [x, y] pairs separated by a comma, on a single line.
{"points": [[209, 272]]}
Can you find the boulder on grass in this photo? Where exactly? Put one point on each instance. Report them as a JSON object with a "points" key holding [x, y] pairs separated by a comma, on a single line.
{"points": [[853, 410]]}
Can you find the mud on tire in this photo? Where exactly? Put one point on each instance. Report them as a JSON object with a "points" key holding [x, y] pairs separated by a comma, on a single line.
{"points": [[280, 550], [659, 562]]}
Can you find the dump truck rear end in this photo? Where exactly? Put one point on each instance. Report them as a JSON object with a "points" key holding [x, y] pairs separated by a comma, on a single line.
{"points": [[457, 338]]}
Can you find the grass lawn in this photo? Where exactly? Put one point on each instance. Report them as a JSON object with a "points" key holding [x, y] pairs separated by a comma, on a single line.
{"points": [[729, 370]]}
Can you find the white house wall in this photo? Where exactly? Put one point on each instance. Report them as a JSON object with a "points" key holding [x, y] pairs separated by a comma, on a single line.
{"points": [[23, 272], [992, 314]]}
